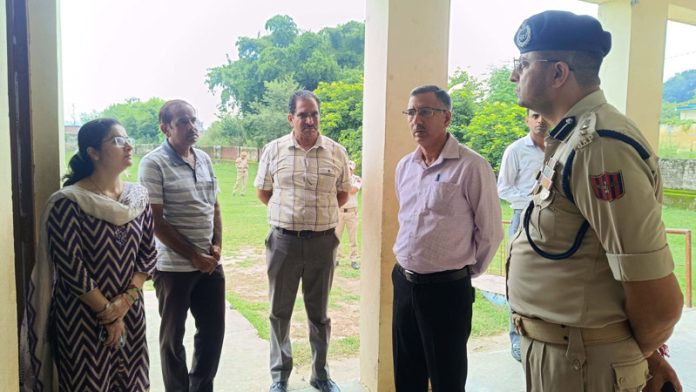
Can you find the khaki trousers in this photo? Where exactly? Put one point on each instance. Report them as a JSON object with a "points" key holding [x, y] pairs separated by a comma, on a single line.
{"points": [[576, 367], [241, 183], [350, 220]]}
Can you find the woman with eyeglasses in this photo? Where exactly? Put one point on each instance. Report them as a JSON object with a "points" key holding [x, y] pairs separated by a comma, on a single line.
{"points": [[84, 315]]}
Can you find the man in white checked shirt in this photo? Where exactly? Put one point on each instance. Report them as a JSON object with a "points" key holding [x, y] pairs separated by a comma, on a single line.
{"points": [[303, 178]]}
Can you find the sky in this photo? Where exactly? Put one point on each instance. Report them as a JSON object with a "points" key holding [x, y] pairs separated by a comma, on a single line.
{"points": [[113, 50]]}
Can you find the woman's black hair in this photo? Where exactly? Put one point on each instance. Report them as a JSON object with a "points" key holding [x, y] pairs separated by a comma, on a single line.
{"points": [[91, 134]]}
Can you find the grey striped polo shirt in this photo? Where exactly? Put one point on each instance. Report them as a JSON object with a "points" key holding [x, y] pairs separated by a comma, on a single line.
{"points": [[187, 196]]}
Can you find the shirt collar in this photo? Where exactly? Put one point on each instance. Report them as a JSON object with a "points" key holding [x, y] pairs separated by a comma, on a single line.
{"points": [[174, 156], [528, 141], [449, 151], [567, 124], [318, 144]]}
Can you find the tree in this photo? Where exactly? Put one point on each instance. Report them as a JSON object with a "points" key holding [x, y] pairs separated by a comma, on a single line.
{"points": [[315, 61], [228, 130], [341, 115], [680, 87], [283, 30], [140, 119], [465, 92], [493, 128], [485, 115], [347, 42], [268, 118], [499, 88], [284, 52]]}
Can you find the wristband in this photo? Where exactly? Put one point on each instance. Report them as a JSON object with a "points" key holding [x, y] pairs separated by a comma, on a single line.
{"points": [[137, 289], [663, 351], [133, 299]]}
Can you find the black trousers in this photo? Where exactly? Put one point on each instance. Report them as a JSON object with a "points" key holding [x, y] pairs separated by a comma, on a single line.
{"points": [[431, 324], [204, 295]]}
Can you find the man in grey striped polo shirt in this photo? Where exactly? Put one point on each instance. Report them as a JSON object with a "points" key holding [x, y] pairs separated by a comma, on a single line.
{"points": [[183, 194], [303, 178]]}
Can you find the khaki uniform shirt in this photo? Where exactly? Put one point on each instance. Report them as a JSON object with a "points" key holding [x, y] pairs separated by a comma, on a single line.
{"points": [[242, 165], [612, 181]]}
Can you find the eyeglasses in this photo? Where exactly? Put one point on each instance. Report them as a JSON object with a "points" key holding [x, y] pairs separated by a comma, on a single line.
{"points": [[425, 112], [519, 65], [121, 141], [304, 116]]}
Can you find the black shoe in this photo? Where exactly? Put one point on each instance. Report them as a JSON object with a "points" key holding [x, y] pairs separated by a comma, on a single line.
{"points": [[280, 386], [325, 385], [355, 265]]}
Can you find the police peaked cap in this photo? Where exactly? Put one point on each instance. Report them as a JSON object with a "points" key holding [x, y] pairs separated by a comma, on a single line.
{"points": [[562, 30]]}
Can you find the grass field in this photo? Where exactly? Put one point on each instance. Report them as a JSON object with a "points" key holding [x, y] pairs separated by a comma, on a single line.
{"points": [[245, 226]]}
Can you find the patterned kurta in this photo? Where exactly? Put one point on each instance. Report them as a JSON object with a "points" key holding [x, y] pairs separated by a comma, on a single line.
{"points": [[90, 253]]}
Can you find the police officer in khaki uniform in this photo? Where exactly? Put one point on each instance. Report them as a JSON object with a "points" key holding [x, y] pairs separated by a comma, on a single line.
{"points": [[590, 274], [242, 164]]}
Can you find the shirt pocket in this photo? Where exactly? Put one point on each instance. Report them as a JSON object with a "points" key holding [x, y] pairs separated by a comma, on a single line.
{"points": [[544, 215], [282, 176], [630, 376], [441, 196], [326, 179], [210, 186]]}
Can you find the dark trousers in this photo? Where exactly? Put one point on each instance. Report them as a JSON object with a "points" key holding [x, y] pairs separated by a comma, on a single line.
{"points": [[430, 328], [204, 295]]}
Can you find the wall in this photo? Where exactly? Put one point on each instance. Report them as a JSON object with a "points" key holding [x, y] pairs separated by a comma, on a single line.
{"points": [[679, 173], [9, 367]]}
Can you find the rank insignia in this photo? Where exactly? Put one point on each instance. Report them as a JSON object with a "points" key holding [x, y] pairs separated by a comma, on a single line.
{"points": [[608, 186]]}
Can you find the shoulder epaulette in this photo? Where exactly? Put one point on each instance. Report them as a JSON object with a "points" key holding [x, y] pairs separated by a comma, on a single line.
{"points": [[644, 154]]}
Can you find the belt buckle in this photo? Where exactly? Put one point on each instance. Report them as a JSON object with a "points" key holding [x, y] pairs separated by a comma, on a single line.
{"points": [[409, 272]]}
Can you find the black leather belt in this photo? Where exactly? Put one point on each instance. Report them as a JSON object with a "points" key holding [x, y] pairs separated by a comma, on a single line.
{"points": [[435, 277], [306, 234]]}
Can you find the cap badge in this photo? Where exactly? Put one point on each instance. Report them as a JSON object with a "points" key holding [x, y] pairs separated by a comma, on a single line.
{"points": [[523, 36]]}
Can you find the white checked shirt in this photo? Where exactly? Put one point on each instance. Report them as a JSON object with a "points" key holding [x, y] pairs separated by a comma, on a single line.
{"points": [[304, 183]]}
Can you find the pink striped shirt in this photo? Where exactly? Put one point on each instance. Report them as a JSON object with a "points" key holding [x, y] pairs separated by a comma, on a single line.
{"points": [[449, 214]]}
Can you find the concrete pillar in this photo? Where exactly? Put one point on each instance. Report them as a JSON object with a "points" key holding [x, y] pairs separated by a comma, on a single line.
{"points": [[9, 365], [632, 72], [45, 83], [406, 45]]}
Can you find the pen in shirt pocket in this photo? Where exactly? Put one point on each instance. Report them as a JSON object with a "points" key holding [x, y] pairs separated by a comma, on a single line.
{"points": [[437, 178]]}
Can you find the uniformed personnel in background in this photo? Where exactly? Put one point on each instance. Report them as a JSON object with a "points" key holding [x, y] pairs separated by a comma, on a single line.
{"points": [[590, 275], [242, 165]]}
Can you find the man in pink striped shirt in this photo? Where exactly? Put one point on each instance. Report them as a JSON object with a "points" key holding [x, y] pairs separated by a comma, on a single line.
{"points": [[450, 228]]}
